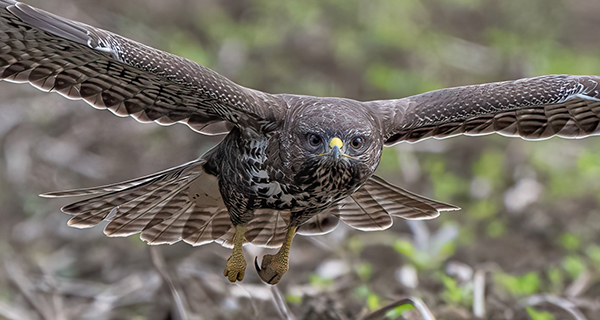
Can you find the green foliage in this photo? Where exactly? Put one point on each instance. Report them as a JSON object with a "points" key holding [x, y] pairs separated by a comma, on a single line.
{"points": [[556, 278], [364, 271], [362, 291], [569, 241], [593, 252], [180, 43], [373, 302], [319, 282], [587, 163], [524, 285], [574, 266], [489, 166], [539, 315], [293, 298], [455, 294], [392, 80], [399, 311], [496, 228], [389, 161], [424, 259], [483, 209], [405, 248], [356, 245], [446, 184]]}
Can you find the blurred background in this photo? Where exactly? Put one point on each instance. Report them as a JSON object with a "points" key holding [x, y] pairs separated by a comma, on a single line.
{"points": [[526, 244]]}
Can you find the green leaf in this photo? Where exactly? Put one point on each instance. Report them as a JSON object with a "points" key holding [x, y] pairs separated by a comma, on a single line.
{"points": [[569, 241], [451, 292], [556, 278], [399, 311], [362, 291], [364, 271], [405, 248], [373, 302], [574, 266], [293, 298], [593, 252], [318, 281], [539, 315], [525, 285]]}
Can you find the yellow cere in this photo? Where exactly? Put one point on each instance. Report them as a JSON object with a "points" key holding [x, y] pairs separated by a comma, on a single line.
{"points": [[336, 142]]}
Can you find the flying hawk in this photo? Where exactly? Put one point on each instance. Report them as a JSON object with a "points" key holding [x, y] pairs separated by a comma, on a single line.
{"points": [[288, 163]]}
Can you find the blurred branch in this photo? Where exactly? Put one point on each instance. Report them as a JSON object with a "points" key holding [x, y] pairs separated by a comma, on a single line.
{"points": [[479, 294], [282, 307], [416, 302], [21, 281], [179, 305], [562, 303]]}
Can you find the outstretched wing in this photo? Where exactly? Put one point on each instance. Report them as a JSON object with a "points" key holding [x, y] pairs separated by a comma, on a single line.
{"points": [[130, 79], [533, 108]]}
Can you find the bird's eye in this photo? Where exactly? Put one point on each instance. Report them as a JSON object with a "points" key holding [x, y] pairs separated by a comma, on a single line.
{"points": [[314, 140], [357, 143]]}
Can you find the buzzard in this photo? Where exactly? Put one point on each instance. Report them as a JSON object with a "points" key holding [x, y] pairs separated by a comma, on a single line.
{"points": [[288, 164]]}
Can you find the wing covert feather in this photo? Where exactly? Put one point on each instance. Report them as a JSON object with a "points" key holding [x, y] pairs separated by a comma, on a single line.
{"points": [[533, 108], [111, 72]]}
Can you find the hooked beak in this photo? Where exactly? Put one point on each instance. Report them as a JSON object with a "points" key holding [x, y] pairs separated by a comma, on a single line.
{"points": [[336, 152], [336, 145]]}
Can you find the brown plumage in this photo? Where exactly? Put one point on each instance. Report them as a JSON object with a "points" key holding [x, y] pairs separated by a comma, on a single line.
{"points": [[289, 163]]}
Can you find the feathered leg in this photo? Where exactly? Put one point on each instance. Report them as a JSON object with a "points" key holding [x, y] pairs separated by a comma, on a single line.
{"points": [[273, 267]]}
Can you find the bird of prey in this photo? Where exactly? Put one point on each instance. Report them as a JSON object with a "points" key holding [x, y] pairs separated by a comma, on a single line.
{"points": [[288, 163]]}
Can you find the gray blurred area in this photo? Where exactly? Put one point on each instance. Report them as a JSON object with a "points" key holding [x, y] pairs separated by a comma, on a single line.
{"points": [[529, 231]]}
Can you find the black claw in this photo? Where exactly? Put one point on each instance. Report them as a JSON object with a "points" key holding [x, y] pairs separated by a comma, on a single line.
{"points": [[256, 266], [271, 280]]}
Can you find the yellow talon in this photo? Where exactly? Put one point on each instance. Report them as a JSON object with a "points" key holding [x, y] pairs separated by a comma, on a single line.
{"points": [[273, 267], [236, 264]]}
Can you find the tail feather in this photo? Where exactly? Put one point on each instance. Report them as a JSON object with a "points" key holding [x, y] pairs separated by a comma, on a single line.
{"points": [[268, 228]]}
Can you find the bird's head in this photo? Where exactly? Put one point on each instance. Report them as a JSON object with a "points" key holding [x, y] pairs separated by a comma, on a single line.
{"points": [[333, 134]]}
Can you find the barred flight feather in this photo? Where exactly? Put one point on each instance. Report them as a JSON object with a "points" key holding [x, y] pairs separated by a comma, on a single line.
{"points": [[128, 78], [376, 202], [535, 108], [134, 216]]}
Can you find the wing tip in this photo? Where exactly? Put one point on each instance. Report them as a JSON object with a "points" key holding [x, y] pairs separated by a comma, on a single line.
{"points": [[66, 193]]}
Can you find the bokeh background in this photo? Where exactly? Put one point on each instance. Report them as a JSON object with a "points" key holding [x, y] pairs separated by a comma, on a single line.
{"points": [[526, 244]]}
